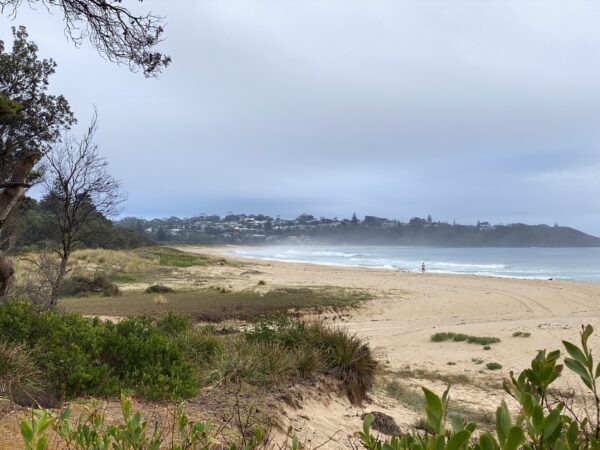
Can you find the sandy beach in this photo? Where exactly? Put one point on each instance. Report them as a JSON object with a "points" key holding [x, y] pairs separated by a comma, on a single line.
{"points": [[409, 307]]}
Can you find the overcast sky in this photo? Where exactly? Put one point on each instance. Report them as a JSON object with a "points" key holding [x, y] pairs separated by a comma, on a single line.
{"points": [[463, 110]]}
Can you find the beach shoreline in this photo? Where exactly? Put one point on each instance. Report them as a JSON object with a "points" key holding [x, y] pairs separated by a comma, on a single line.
{"points": [[407, 308], [415, 305]]}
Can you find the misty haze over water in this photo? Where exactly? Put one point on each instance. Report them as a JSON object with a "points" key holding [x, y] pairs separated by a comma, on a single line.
{"points": [[577, 264]]}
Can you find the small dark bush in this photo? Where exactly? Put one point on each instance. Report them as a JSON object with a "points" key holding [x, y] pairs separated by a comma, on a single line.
{"points": [[384, 423], [173, 324], [79, 285], [460, 337], [523, 334], [159, 289], [493, 366]]}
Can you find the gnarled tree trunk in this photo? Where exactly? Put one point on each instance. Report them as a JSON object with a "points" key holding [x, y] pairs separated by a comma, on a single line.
{"points": [[13, 191], [6, 274]]}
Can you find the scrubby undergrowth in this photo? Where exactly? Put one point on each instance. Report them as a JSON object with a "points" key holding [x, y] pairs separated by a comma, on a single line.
{"points": [[169, 358]]}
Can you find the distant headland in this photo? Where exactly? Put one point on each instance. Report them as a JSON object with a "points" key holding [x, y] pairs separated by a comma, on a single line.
{"points": [[371, 230]]}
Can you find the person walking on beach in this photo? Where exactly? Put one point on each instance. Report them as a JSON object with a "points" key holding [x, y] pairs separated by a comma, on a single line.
{"points": [[423, 268]]}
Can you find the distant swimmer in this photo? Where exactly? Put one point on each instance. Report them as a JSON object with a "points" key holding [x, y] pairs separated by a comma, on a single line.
{"points": [[423, 268]]}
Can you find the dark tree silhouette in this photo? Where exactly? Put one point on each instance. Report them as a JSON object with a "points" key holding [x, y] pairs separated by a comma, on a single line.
{"points": [[31, 121], [116, 32]]}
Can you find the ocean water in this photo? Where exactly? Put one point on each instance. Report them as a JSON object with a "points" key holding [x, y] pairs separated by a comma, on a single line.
{"points": [[578, 264]]}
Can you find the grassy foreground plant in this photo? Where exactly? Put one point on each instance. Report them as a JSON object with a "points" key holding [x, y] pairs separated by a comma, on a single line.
{"points": [[345, 355]]}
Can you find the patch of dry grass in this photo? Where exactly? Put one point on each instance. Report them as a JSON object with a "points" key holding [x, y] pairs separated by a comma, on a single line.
{"points": [[209, 305], [122, 261]]}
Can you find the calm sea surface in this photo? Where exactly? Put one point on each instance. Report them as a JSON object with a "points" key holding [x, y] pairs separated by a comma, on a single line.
{"points": [[580, 264]]}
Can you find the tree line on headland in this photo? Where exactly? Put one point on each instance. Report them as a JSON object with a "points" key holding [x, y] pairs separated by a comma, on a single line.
{"points": [[261, 229]]}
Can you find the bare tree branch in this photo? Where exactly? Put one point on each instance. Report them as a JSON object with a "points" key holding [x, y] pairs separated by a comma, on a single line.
{"points": [[79, 190], [118, 34]]}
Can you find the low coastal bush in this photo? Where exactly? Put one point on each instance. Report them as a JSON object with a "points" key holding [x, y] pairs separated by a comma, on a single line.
{"points": [[80, 285], [493, 366], [460, 337], [521, 334], [542, 420], [159, 289], [82, 356], [168, 358]]}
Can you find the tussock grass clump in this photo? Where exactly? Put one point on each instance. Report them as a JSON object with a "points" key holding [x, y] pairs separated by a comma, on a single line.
{"points": [[460, 337], [21, 380], [256, 363], [351, 359], [346, 356], [523, 334]]}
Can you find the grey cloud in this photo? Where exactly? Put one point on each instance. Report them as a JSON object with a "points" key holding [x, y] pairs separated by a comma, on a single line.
{"points": [[460, 109]]}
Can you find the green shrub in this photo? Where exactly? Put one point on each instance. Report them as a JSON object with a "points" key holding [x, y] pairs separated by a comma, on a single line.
{"points": [[493, 366], [173, 324], [80, 285], [159, 289], [542, 421], [81, 356], [145, 358]]}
